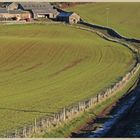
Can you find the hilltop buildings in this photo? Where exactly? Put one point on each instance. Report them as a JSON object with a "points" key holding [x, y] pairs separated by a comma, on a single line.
{"points": [[35, 10]]}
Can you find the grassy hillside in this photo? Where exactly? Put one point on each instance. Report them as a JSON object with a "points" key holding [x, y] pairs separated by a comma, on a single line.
{"points": [[46, 67], [124, 17]]}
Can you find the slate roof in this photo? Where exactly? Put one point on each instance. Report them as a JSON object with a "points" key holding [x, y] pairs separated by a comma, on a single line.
{"points": [[35, 5], [3, 10], [38, 7], [16, 11], [65, 14]]}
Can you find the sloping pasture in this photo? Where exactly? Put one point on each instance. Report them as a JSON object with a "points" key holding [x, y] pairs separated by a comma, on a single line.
{"points": [[123, 17], [44, 68]]}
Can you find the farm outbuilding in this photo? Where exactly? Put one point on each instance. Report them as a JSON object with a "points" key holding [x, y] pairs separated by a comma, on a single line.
{"points": [[69, 17], [14, 14], [20, 15], [39, 9]]}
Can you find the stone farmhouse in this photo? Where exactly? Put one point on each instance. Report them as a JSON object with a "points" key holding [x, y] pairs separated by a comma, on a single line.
{"points": [[34, 10]]}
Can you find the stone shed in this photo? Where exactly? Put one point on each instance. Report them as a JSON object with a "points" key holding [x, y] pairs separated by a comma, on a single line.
{"points": [[68, 17]]}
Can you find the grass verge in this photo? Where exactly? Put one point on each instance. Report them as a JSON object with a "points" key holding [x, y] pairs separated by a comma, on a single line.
{"points": [[73, 125]]}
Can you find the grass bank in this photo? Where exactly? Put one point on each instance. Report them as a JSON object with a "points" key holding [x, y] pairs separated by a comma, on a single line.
{"points": [[44, 68], [123, 17], [67, 128]]}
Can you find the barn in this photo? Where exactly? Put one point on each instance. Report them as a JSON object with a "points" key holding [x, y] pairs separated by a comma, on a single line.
{"points": [[39, 9], [69, 17]]}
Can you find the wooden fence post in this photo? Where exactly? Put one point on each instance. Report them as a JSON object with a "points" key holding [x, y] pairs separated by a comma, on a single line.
{"points": [[16, 133], [24, 132], [64, 114], [97, 98], [35, 126]]}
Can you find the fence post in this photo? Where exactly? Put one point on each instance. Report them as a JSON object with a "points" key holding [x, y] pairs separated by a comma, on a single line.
{"points": [[42, 122], [64, 114], [35, 127], [47, 123], [15, 133], [24, 132], [97, 98]]}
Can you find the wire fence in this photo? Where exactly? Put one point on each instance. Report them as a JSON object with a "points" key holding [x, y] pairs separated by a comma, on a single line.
{"points": [[46, 123]]}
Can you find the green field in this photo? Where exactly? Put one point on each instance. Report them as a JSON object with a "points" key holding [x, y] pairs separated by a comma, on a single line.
{"points": [[124, 17], [44, 68]]}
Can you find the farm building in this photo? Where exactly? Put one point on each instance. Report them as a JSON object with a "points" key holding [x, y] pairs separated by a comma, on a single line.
{"points": [[69, 17], [14, 14], [37, 9]]}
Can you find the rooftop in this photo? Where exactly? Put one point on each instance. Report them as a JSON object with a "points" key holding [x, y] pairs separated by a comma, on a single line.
{"points": [[3, 10], [43, 7], [65, 14]]}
